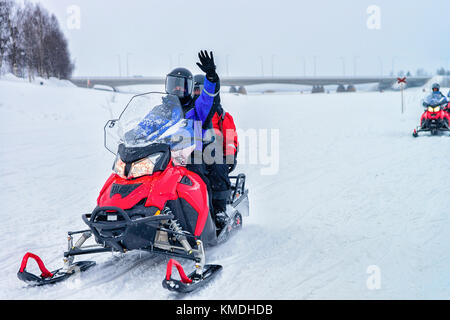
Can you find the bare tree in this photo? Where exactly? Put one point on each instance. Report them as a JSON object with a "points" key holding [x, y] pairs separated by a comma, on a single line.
{"points": [[56, 55], [6, 7], [34, 43], [16, 58]]}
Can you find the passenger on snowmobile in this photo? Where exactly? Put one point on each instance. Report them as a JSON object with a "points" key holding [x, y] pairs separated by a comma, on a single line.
{"points": [[201, 109], [225, 131], [218, 172], [198, 85]]}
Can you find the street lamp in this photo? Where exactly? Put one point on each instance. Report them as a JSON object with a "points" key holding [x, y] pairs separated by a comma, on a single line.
{"points": [[315, 65], [354, 65], [262, 65], [120, 65], [128, 54], [272, 59], [304, 67]]}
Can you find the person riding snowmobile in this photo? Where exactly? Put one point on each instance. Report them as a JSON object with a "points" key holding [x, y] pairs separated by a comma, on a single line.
{"points": [[180, 82], [436, 91], [439, 95]]}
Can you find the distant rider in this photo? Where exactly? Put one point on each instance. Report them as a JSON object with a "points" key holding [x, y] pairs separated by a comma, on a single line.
{"points": [[436, 92]]}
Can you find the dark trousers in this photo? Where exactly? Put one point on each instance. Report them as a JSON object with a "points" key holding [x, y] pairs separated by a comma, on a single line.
{"points": [[217, 182], [220, 185]]}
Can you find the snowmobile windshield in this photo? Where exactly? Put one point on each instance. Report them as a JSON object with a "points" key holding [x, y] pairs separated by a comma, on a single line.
{"points": [[434, 100], [149, 119]]}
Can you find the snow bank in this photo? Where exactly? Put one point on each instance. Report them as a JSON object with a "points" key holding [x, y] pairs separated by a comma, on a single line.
{"points": [[54, 82]]}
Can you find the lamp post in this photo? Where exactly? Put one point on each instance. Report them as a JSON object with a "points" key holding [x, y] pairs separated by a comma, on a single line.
{"points": [[128, 73], [304, 67], [262, 65], [315, 65], [120, 65], [355, 65], [272, 60]]}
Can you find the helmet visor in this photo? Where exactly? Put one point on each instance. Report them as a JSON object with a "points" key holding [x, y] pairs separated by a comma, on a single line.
{"points": [[179, 86], [198, 88]]}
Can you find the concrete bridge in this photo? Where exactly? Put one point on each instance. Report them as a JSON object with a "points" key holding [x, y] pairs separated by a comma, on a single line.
{"points": [[317, 83]]}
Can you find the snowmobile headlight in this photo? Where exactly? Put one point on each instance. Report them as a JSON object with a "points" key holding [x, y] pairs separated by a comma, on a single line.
{"points": [[119, 167], [430, 109], [144, 167], [437, 109]]}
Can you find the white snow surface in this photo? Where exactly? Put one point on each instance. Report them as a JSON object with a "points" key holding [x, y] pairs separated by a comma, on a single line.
{"points": [[354, 189]]}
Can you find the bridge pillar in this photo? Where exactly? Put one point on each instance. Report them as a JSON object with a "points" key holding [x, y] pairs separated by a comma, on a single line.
{"points": [[318, 89], [351, 88], [341, 88], [242, 90]]}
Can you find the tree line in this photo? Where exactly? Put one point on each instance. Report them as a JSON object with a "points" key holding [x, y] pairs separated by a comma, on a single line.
{"points": [[32, 43]]}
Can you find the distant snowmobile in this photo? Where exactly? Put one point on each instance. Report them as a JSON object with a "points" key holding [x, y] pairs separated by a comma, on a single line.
{"points": [[435, 119], [151, 202]]}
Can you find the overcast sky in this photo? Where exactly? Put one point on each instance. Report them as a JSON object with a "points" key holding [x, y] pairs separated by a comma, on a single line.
{"points": [[156, 35]]}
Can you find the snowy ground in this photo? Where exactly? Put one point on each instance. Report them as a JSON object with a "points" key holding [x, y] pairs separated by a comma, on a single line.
{"points": [[354, 189]]}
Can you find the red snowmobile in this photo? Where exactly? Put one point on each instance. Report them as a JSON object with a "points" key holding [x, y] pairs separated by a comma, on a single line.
{"points": [[435, 119], [151, 202]]}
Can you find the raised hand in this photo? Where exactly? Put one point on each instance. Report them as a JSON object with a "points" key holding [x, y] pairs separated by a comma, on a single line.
{"points": [[207, 65]]}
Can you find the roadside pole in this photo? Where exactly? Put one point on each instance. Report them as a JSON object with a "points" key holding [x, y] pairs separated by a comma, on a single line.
{"points": [[402, 83]]}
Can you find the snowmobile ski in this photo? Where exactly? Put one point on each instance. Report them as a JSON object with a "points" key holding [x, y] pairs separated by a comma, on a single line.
{"points": [[46, 276], [190, 283]]}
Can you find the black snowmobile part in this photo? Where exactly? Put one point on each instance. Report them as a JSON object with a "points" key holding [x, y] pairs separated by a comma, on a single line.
{"points": [[433, 131], [48, 277], [238, 192], [189, 283], [434, 126], [126, 233]]}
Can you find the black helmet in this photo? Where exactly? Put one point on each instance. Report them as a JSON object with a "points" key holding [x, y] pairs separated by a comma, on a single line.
{"points": [[180, 83], [199, 80], [436, 86]]}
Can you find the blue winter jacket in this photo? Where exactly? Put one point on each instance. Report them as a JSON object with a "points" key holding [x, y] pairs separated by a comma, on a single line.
{"points": [[201, 110], [439, 94]]}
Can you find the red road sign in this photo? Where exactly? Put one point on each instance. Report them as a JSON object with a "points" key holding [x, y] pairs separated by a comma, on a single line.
{"points": [[401, 80]]}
